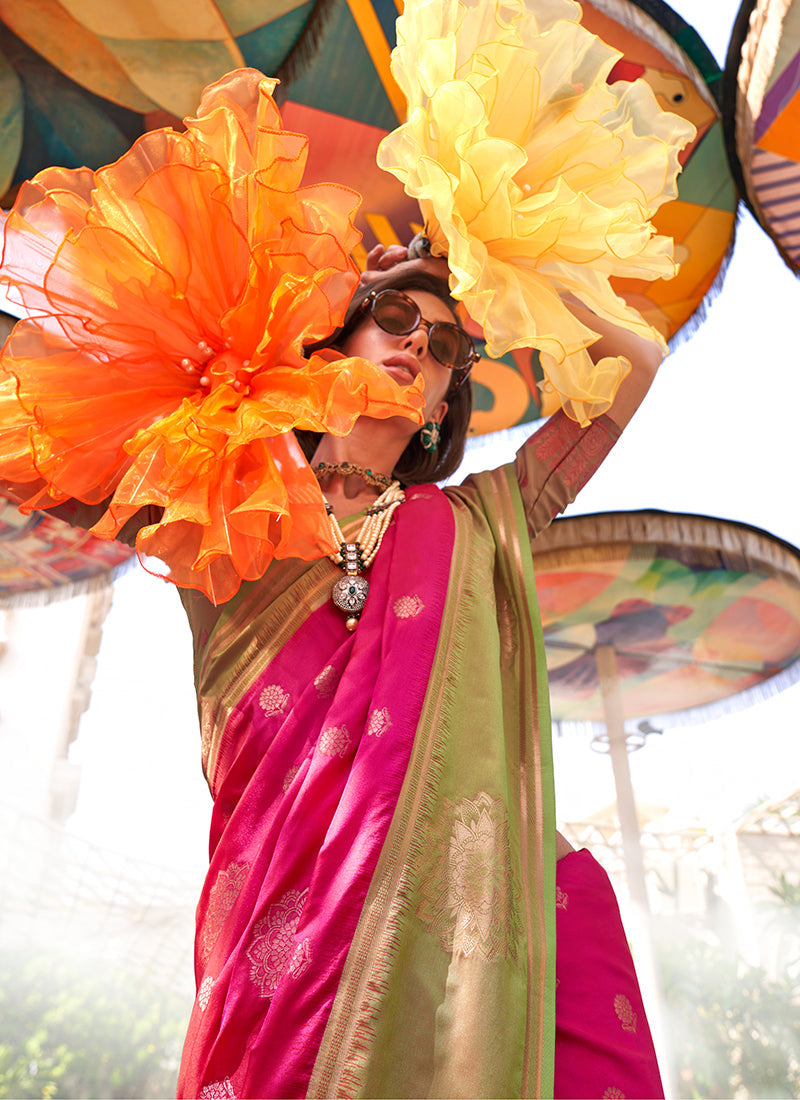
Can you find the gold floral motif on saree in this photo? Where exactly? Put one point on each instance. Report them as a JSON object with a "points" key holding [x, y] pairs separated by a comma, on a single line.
{"points": [[468, 891], [562, 898], [272, 944], [624, 1010], [300, 960], [335, 741], [326, 682], [273, 700], [221, 901], [379, 722], [204, 993], [408, 607], [289, 778], [613, 1093], [218, 1090]]}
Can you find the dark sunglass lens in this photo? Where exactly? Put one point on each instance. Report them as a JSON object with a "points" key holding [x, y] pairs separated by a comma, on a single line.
{"points": [[395, 313], [450, 345]]}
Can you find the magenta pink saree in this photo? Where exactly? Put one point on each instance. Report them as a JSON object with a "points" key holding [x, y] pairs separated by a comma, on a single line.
{"points": [[603, 1042], [307, 775]]}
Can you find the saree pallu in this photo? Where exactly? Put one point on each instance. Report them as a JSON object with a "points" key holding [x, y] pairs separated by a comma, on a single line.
{"points": [[379, 912]]}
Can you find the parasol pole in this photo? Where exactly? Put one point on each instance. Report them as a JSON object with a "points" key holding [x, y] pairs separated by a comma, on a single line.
{"points": [[618, 751], [632, 854]]}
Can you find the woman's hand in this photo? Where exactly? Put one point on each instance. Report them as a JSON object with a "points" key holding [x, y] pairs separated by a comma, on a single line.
{"points": [[563, 846], [381, 260]]}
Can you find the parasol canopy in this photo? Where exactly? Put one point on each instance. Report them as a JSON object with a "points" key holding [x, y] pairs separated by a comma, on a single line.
{"points": [[42, 558], [697, 611], [762, 117], [79, 82]]}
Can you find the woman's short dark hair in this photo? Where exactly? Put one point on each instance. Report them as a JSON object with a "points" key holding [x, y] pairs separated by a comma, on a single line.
{"points": [[416, 465]]}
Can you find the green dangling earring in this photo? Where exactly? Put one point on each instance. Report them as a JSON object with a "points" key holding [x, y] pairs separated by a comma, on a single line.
{"points": [[429, 435]]}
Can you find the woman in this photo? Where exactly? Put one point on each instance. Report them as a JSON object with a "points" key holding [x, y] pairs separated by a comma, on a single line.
{"points": [[380, 912], [378, 915]]}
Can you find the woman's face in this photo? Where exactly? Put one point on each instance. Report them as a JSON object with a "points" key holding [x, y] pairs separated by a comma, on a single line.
{"points": [[404, 357]]}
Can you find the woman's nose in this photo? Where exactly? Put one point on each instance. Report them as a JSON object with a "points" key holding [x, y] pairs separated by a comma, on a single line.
{"points": [[417, 341]]}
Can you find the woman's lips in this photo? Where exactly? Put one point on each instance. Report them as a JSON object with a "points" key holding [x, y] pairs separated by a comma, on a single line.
{"points": [[405, 365]]}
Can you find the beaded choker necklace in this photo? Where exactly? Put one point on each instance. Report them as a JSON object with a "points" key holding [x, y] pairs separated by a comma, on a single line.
{"points": [[349, 469], [350, 591]]}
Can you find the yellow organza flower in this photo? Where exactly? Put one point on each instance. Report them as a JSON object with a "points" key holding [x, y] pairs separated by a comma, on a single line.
{"points": [[170, 296], [535, 177]]}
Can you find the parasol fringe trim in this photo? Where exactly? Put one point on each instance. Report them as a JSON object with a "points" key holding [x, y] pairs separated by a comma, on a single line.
{"points": [[695, 716], [746, 548], [690, 326], [41, 597], [305, 48]]}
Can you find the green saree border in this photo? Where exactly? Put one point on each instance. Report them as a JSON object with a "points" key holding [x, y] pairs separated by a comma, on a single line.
{"points": [[349, 1040], [540, 823]]}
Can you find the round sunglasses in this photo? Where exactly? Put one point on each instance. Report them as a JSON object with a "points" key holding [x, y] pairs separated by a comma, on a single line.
{"points": [[399, 315]]}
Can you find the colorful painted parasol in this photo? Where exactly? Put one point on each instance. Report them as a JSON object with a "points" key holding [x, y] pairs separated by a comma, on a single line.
{"points": [[80, 82], [77, 88], [762, 117], [43, 558], [697, 610]]}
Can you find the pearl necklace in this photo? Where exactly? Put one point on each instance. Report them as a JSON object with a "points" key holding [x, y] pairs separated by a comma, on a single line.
{"points": [[350, 591]]}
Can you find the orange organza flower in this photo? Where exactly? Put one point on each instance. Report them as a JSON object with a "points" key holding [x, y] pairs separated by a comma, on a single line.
{"points": [[169, 298]]}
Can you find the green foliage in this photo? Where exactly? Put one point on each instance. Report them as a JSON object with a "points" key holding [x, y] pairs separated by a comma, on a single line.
{"points": [[734, 1030], [787, 894], [68, 1031]]}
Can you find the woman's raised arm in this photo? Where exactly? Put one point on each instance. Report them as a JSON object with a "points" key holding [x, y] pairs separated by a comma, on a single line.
{"points": [[78, 514], [560, 458], [644, 355]]}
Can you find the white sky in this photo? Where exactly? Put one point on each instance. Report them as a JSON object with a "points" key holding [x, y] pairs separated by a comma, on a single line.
{"points": [[717, 436]]}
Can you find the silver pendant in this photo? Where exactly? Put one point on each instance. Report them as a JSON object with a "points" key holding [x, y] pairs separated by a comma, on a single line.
{"points": [[350, 593]]}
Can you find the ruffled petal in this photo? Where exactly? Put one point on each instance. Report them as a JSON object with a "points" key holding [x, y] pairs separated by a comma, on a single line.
{"points": [[171, 295], [234, 485], [246, 528], [532, 173]]}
